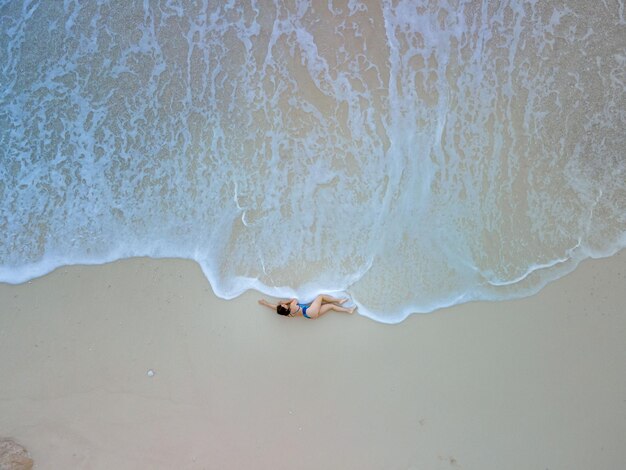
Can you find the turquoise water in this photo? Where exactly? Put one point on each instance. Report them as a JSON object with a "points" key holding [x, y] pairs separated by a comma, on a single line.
{"points": [[414, 154]]}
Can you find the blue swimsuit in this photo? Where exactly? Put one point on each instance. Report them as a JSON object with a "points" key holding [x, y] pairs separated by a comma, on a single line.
{"points": [[304, 308]]}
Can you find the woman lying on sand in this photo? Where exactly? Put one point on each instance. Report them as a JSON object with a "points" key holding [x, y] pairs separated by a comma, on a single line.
{"points": [[321, 305]]}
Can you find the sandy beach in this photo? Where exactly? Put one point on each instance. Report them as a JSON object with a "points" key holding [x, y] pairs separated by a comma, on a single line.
{"points": [[537, 383], [417, 152]]}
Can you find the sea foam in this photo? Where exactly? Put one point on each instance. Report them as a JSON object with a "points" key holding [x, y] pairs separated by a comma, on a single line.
{"points": [[413, 154]]}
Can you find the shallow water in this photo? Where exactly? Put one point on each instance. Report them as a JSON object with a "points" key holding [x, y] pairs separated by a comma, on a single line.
{"points": [[415, 154]]}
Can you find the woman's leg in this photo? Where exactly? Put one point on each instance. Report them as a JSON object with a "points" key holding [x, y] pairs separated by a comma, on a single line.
{"points": [[314, 308], [332, 307], [318, 309], [323, 300], [328, 299]]}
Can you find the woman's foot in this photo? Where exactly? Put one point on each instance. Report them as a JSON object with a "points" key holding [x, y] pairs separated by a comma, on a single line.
{"points": [[342, 301], [351, 310]]}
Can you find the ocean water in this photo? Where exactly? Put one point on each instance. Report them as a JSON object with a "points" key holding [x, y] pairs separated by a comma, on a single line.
{"points": [[414, 154]]}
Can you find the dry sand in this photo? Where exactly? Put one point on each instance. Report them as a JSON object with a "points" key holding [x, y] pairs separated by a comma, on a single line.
{"points": [[538, 383]]}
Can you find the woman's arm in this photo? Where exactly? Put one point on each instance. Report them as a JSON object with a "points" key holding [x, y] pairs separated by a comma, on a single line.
{"points": [[267, 304]]}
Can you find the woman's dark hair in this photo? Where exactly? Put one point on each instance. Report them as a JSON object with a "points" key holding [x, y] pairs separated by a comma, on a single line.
{"points": [[282, 310]]}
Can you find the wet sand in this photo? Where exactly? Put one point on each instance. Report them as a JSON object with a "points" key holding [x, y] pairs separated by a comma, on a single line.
{"points": [[534, 383]]}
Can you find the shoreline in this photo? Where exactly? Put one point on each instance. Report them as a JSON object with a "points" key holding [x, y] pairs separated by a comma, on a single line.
{"points": [[289, 293], [536, 382]]}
